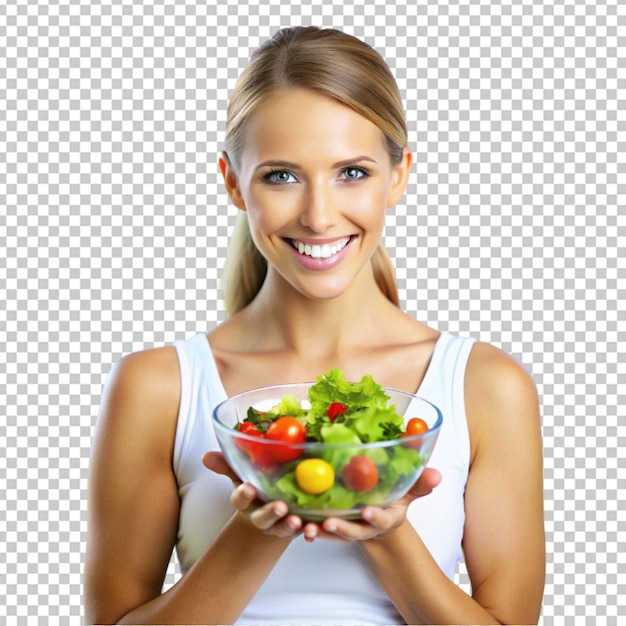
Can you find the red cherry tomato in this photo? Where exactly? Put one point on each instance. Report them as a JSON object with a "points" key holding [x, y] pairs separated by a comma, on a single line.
{"points": [[361, 474], [334, 409], [248, 427], [287, 430], [257, 452], [415, 426]]}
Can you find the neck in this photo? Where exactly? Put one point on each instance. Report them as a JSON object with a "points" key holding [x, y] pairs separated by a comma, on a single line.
{"points": [[285, 319]]}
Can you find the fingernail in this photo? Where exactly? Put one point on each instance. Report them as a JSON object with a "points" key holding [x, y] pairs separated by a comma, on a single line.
{"points": [[368, 515], [279, 509], [248, 490], [330, 527]]}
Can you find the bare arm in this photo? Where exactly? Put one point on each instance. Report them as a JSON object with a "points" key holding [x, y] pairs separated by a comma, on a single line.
{"points": [[134, 509], [504, 533], [504, 539]]}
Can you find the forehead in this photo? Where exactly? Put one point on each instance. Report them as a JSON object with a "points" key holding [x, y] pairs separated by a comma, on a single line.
{"points": [[303, 125]]}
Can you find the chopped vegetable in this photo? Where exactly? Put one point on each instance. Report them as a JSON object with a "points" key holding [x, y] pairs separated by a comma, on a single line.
{"points": [[342, 415]]}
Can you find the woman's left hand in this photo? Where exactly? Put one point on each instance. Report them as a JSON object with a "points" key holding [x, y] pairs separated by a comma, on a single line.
{"points": [[374, 520]]}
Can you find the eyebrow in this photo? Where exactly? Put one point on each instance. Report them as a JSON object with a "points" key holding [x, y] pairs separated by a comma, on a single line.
{"points": [[339, 164]]}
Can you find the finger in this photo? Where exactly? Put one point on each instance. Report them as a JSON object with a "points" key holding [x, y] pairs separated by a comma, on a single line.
{"points": [[320, 533], [428, 480], [216, 462], [285, 528], [311, 531], [380, 519], [344, 530], [269, 514], [243, 496], [292, 525]]}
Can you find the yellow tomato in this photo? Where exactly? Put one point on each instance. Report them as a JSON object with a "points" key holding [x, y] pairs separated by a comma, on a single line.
{"points": [[315, 475]]}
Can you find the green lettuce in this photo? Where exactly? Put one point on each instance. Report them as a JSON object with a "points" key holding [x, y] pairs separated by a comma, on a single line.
{"points": [[333, 387], [369, 418], [289, 405], [369, 414]]}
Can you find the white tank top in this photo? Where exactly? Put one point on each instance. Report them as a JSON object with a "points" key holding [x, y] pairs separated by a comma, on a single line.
{"points": [[323, 582]]}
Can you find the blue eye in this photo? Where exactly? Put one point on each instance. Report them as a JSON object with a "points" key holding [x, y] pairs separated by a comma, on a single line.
{"points": [[279, 177], [354, 173]]}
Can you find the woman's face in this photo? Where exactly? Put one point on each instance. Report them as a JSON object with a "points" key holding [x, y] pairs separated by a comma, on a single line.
{"points": [[316, 179]]}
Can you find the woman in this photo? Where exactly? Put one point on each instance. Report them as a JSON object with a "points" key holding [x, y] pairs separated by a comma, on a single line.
{"points": [[316, 152]]}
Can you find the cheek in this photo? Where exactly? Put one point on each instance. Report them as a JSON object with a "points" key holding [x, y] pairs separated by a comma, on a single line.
{"points": [[268, 215], [369, 207]]}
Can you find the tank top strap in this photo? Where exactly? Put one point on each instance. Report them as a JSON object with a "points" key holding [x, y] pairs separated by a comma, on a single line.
{"points": [[444, 383], [440, 516], [201, 388], [450, 355]]}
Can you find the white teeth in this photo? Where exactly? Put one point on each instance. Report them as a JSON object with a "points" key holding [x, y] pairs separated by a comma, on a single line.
{"points": [[316, 251]]}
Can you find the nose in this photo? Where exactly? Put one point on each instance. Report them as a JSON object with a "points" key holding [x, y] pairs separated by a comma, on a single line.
{"points": [[318, 213]]}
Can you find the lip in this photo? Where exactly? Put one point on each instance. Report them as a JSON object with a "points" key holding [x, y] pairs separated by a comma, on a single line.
{"points": [[320, 264]]}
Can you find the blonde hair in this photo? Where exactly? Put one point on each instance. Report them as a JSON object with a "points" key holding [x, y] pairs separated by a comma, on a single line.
{"points": [[332, 63]]}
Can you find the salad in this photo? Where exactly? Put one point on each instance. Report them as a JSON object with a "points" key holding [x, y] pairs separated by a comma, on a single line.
{"points": [[340, 415]]}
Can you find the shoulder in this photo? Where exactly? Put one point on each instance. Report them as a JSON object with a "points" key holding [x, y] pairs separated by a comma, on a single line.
{"points": [[153, 373], [493, 375], [500, 396], [492, 371], [142, 395]]}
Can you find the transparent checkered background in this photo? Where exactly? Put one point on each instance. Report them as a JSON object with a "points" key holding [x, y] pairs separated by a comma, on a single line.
{"points": [[114, 227]]}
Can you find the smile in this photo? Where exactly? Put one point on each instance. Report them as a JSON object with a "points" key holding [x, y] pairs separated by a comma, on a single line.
{"points": [[320, 251]]}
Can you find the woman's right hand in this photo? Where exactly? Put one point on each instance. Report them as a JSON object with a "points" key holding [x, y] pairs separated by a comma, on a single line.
{"points": [[271, 517]]}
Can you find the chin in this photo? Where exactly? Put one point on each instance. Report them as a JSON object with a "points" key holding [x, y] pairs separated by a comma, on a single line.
{"points": [[323, 287], [323, 292]]}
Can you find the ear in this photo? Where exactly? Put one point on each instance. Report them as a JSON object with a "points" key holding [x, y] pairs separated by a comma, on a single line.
{"points": [[231, 181], [400, 178]]}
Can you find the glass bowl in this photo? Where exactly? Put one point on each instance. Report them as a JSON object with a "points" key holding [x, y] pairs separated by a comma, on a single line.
{"points": [[344, 492]]}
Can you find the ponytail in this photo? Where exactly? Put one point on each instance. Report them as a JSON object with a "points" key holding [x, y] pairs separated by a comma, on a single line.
{"points": [[246, 268], [385, 275]]}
